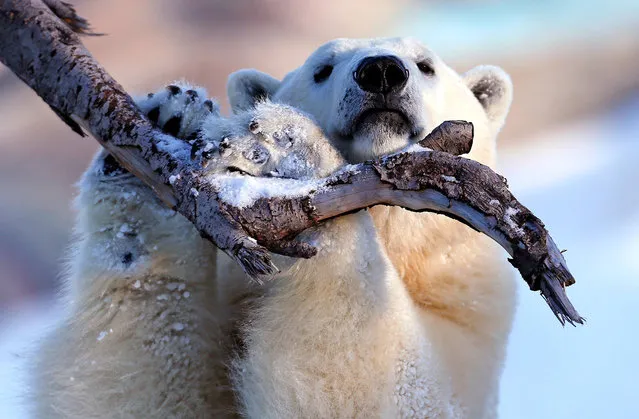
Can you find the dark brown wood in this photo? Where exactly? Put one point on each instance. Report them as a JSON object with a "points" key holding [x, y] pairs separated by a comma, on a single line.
{"points": [[66, 12], [45, 52], [454, 137]]}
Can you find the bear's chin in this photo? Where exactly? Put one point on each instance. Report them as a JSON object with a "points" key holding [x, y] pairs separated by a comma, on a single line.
{"points": [[385, 120], [376, 141], [376, 133]]}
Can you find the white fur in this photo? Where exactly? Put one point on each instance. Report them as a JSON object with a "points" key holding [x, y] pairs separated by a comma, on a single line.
{"points": [[137, 334], [340, 339], [399, 315]]}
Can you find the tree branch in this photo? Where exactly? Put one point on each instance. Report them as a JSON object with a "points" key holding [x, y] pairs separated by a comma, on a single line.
{"points": [[38, 42]]}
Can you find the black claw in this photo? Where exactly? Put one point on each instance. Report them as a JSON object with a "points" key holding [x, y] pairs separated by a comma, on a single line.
{"points": [[192, 136], [204, 148], [254, 127], [127, 258], [207, 155], [111, 167], [209, 105], [192, 94], [173, 89], [153, 115], [172, 126], [224, 145], [197, 145]]}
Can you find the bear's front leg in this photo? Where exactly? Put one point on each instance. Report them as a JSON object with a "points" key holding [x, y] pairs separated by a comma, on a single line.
{"points": [[145, 335]]}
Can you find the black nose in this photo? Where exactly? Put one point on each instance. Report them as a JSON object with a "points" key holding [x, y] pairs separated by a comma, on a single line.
{"points": [[381, 74]]}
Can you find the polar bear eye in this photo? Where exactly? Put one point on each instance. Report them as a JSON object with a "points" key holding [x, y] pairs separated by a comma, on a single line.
{"points": [[426, 67], [323, 73]]}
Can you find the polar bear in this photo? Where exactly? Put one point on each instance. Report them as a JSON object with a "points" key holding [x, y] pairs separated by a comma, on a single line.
{"points": [[399, 315]]}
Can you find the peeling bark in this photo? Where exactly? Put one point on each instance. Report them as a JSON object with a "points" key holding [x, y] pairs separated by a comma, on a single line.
{"points": [[39, 43]]}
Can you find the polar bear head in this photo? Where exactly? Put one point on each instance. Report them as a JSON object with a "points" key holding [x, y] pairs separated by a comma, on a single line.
{"points": [[375, 96]]}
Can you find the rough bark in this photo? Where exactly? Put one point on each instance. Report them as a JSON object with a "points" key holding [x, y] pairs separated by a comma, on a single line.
{"points": [[39, 43]]}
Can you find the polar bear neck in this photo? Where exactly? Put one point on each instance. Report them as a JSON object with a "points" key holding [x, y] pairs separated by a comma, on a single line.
{"points": [[352, 263], [320, 327]]}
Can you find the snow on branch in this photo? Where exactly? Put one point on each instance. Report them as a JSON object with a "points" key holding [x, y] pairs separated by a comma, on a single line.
{"points": [[39, 42]]}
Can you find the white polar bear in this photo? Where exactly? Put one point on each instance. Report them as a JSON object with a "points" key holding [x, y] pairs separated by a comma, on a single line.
{"points": [[399, 315]]}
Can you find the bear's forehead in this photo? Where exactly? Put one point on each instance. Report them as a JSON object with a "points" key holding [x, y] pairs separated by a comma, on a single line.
{"points": [[346, 48]]}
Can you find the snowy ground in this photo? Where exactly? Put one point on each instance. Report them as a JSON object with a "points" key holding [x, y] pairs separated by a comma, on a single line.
{"points": [[581, 180]]}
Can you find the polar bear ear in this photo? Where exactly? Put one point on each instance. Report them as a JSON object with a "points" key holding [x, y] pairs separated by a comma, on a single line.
{"points": [[493, 89], [247, 87]]}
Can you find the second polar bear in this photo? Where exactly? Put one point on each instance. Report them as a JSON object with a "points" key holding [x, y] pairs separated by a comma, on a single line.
{"points": [[399, 315]]}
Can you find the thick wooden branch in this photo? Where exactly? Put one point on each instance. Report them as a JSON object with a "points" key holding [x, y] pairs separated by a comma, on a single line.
{"points": [[38, 42]]}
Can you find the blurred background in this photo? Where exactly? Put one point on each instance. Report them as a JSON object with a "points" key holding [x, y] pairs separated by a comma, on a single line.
{"points": [[569, 151]]}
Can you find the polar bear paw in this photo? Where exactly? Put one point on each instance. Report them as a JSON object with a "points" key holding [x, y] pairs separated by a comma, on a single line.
{"points": [[179, 109], [270, 140]]}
